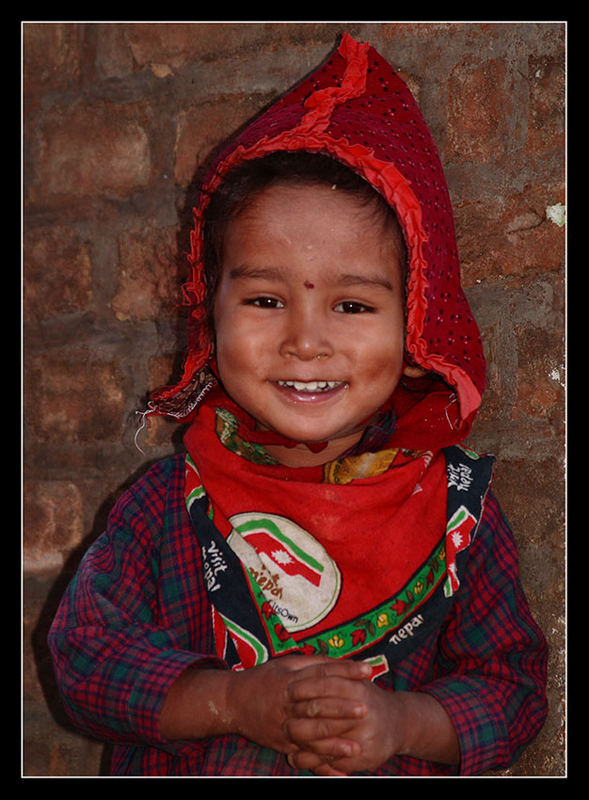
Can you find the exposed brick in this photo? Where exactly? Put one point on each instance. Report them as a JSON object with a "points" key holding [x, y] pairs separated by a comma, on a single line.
{"points": [[479, 109], [148, 280], [53, 523], [57, 271], [73, 398], [540, 373], [114, 58], [200, 128], [180, 44], [510, 235], [160, 369], [546, 123], [100, 149], [51, 55], [532, 491]]}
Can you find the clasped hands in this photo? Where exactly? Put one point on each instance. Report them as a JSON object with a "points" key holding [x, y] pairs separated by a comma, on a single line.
{"points": [[324, 714]]}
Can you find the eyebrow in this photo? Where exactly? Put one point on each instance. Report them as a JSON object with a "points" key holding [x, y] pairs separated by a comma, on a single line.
{"points": [[245, 272], [365, 280]]}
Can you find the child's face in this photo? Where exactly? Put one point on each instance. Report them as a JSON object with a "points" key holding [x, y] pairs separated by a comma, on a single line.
{"points": [[309, 313]]}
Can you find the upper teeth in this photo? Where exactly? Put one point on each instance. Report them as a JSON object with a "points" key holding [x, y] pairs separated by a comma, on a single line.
{"points": [[310, 386]]}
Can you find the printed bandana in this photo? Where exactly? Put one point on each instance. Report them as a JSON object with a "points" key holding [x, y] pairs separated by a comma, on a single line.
{"points": [[356, 558]]}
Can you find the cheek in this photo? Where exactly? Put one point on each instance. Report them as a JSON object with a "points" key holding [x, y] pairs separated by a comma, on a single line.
{"points": [[383, 349], [237, 351], [381, 370], [224, 323], [240, 334]]}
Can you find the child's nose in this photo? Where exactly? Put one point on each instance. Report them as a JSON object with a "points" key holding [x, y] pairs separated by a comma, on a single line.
{"points": [[306, 338]]}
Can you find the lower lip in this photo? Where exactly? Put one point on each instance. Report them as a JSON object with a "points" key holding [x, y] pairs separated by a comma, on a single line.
{"points": [[310, 397]]}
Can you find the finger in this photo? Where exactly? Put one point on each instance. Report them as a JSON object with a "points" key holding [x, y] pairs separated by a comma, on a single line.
{"points": [[328, 707], [302, 662], [330, 737], [327, 771], [334, 751], [312, 762], [321, 667], [311, 685]]}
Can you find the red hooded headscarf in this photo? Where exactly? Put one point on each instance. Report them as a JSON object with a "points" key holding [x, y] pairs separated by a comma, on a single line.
{"points": [[356, 109]]}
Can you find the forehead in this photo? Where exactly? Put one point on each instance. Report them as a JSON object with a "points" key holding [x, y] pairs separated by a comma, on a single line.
{"points": [[297, 199], [313, 217]]}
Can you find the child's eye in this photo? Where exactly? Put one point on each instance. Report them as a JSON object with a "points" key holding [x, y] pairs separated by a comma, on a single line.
{"points": [[352, 307], [265, 302]]}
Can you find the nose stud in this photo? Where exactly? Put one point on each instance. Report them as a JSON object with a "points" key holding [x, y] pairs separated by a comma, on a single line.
{"points": [[321, 355]]}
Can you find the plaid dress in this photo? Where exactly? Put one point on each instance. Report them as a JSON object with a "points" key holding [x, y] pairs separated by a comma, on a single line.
{"points": [[136, 615]]}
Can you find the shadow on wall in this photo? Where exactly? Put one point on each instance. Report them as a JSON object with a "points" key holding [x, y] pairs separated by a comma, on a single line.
{"points": [[41, 654]]}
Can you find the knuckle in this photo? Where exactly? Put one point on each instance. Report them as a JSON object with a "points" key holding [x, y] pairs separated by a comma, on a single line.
{"points": [[323, 729], [313, 708]]}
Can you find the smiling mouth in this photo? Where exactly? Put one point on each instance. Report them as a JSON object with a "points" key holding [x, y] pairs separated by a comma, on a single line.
{"points": [[312, 387]]}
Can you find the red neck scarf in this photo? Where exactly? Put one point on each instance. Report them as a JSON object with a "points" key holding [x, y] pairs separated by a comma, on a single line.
{"points": [[323, 545]]}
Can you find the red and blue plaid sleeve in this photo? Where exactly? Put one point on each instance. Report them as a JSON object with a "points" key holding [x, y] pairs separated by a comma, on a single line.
{"points": [[491, 662], [123, 633]]}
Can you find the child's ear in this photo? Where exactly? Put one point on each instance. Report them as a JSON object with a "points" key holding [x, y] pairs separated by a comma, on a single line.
{"points": [[411, 371]]}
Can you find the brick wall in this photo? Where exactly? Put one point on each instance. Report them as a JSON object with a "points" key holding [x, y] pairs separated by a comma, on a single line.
{"points": [[118, 117]]}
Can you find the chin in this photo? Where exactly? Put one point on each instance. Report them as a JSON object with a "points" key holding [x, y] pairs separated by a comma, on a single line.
{"points": [[314, 435]]}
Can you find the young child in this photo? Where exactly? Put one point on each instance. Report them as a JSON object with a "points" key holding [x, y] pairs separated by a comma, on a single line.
{"points": [[324, 584]]}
